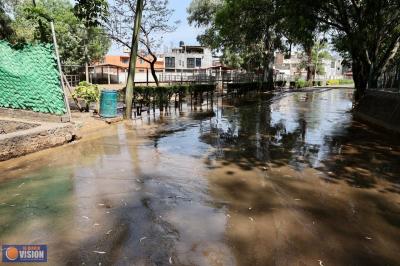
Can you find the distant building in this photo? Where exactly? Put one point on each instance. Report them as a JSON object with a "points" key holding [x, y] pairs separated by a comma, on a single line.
{"points": [[114, 68], [290, 66], [187, 58]]}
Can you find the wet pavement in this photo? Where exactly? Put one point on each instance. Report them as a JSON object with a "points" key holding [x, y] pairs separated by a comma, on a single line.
{"points": [[271, 179]]}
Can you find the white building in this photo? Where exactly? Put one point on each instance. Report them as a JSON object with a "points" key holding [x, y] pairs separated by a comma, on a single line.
{"points": [[290, 67], [187, 58]]}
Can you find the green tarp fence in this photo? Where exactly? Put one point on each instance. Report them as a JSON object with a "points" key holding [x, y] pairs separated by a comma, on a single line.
{"points": [[29, 79]]}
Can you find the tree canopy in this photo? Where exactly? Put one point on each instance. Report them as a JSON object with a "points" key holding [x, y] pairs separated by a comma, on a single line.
{"points": [[156, 21], [24, 26], [367, 32]]}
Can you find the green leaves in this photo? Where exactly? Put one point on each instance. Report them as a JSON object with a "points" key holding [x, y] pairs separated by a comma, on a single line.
{"points": [[70, 30], [91, 12], [88, 92]]}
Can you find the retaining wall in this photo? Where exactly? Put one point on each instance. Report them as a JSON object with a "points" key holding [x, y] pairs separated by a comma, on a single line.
{"points": [[381, 109], [41, 137]]}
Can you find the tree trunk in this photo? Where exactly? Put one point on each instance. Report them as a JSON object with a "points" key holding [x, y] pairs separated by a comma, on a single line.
{"points": [[153, 72], [132, 62], [360, 76], [310, 74], [269, 71], [42, 31]]}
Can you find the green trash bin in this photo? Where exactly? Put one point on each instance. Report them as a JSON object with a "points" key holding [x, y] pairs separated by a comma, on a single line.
{"points": [[108, 103]]}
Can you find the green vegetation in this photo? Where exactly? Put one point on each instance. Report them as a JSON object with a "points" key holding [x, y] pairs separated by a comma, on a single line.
{"points": [[155, 22], [245, 87], [27, 23], [91, 14], [366, 33], [332, 82], [301, 83], [88, 92], [162, 95]]}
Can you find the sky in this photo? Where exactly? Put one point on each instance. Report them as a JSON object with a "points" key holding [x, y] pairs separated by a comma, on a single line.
{"points": [[184, 32]]}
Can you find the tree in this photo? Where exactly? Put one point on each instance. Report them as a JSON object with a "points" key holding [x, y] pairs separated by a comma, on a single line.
{"points": [[69, 30], [368, 30], [6, 31], [132, 62], [313, 61], [92, 13], [156, 22], [250, 28]]}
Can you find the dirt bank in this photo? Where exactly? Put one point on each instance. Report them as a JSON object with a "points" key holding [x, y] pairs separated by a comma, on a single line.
{"points": [[380, 109]]}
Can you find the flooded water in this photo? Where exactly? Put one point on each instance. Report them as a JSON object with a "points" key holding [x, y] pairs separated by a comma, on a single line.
{"points": [[283, 179]]}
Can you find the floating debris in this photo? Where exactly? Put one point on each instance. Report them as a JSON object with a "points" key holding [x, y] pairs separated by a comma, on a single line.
{"points": [[143, 238], [23, 183], [251, 219], [321, 263], [170, 260], [108, 232], [85, 217], [99, 252]]}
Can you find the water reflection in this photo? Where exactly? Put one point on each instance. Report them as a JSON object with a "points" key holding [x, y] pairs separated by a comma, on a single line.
{"points": [[256, 180]]}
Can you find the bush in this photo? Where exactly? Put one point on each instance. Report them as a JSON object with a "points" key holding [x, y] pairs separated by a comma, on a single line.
{"points": [[88, 92], [333, 82], [162, 94], [301, 83], [244, 87], [346, 81], [280, 84]]}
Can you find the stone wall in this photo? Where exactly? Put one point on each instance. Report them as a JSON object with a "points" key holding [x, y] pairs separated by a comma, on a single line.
{"points": [[381, 109], [35, 139]]}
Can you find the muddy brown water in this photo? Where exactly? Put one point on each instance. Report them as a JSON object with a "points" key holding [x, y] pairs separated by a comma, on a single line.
{"points": [[283, 179]]}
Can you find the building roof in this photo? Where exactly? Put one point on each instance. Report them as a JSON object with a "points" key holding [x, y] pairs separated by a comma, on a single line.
{"points": [[122, 61]]}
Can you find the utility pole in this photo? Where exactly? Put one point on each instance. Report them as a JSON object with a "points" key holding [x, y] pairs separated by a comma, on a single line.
{"points": [[132, 63], [53, 33]]}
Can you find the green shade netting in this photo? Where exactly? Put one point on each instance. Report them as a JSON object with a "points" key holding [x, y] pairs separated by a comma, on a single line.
{"points": [[29, 79]]}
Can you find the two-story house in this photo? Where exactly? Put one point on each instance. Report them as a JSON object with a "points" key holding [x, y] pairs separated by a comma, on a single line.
{"points": [[187, 58]]}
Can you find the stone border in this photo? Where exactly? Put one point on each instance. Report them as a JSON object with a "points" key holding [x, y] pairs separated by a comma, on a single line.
{"points": [[47, 135], [33, 116]]}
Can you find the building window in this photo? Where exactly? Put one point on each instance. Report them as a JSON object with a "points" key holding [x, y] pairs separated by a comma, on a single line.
{"points": [[198, 62], [190, 63], [170, 62], [141, 61], [333, 64], [125, 60]]}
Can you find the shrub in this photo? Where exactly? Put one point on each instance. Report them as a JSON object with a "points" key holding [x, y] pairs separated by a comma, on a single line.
{"points": [[244, 87], [88, 92], [162, 94], [301, 83], [346, 81], [280, 84], [333, 82]]}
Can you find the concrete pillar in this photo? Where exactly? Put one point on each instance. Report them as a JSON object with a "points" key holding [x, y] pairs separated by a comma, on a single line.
{"points": [[108, 75]]}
